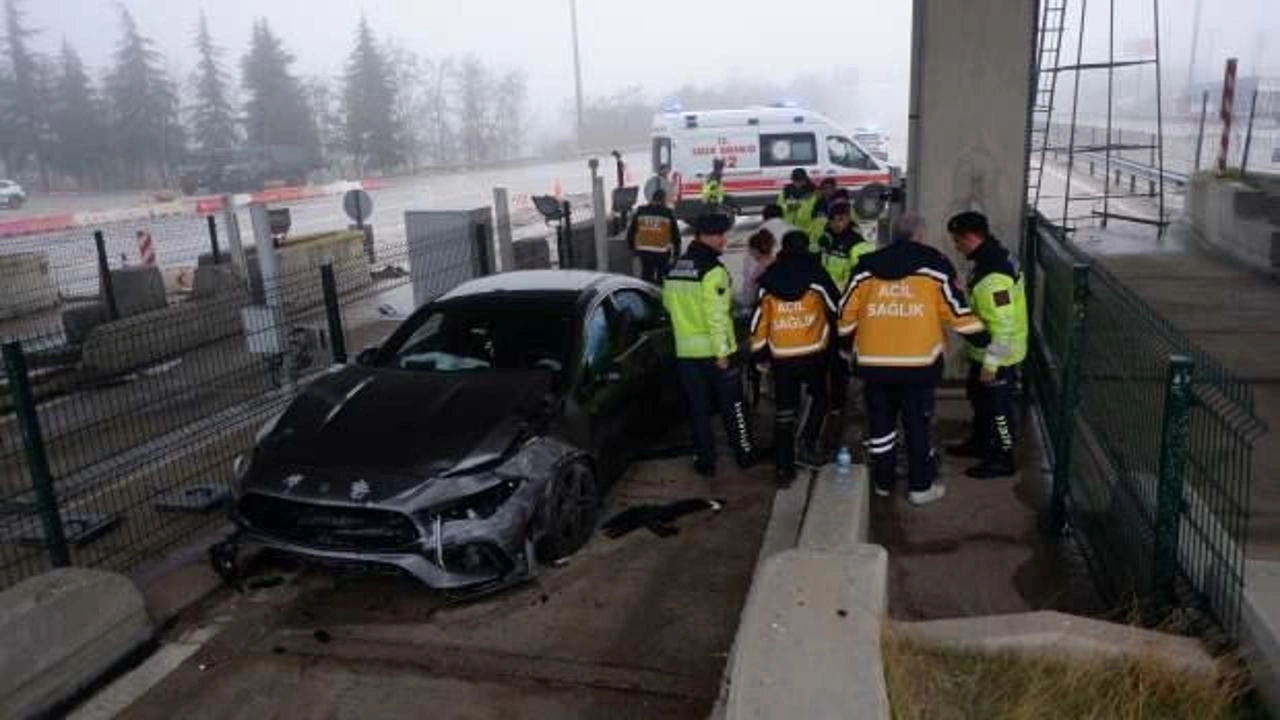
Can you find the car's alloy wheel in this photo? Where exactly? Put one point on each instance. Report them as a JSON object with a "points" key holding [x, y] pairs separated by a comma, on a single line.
{"points": [[572, 510]]}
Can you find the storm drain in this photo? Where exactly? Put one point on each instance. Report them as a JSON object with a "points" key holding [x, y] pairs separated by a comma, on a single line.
{"points": [[78, 527], [194, 498]]}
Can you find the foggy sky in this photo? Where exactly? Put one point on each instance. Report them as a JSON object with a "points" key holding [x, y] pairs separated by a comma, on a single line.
{"points": [[658, 44]]}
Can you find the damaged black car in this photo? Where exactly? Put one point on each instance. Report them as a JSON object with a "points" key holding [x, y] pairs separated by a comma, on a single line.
{"points": [[477, 442]]}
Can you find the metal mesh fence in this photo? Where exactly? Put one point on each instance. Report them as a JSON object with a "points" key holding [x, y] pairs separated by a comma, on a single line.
{"points": [[141, 418], [1157, 488]]}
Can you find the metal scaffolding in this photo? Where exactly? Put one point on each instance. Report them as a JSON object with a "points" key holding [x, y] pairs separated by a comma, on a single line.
{"points": [[1042, 145]]}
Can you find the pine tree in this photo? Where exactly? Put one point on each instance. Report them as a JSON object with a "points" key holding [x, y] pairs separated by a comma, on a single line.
{"points": [[143, 106], [80, 149], [276, 111], [213, 118], [22, 127], [369, 103]]}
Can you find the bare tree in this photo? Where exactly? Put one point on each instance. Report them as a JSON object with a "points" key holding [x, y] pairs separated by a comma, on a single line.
{"points": [[475, 110], [510, 120], [440, 77]]}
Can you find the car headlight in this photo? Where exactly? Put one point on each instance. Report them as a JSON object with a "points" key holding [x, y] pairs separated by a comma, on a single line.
{"points": [[477, 506]]}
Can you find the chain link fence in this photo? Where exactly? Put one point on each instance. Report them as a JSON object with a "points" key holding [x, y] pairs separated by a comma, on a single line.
{"points": [[1151, 438], [119, 428]]}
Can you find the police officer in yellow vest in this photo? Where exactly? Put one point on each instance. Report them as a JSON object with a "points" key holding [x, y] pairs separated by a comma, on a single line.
{"points": [[698, 295], [713, 193], [999, 300], [798, 200]]}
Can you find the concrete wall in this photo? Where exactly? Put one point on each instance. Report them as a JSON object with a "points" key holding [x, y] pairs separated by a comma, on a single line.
{"points": [[971, 75], [28, 285], [1238, 220]]}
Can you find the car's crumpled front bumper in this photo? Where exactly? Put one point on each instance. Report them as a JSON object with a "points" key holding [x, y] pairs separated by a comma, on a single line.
{"points": [[449, 547]]}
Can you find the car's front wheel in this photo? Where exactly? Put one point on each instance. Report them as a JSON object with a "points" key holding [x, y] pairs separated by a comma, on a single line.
{"points": [[570, 512]]}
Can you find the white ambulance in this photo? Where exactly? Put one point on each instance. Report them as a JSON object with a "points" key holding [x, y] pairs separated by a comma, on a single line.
{"points": [[760, 146]]}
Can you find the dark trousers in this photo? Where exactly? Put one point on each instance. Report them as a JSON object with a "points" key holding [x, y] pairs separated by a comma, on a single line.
{"points": [[838, 376], [789, 377], [993, 409], [914, 403], [654, 266], [708, 389]]}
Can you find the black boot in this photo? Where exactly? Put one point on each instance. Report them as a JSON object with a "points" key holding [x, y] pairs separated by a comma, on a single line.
{"points": [[994, 466]]}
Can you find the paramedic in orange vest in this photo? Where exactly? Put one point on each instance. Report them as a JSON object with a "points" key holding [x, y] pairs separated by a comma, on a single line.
{"points": [[901, 301], [654, 237], [793, 327]]}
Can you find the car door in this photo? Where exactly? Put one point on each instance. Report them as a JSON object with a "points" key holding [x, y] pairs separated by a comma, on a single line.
{"points": [[646, 361], [602, 391]]}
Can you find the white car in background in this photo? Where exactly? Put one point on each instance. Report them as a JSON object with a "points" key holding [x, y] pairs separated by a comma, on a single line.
{"points": [[12, 195]]}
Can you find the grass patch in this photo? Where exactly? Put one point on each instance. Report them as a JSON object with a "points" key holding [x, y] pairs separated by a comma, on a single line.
{"points": [[927, 683]]}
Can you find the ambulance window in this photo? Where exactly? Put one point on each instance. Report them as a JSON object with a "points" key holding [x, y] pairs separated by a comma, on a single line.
{"points": [[661, 153], [788, 149], [845, 154]]}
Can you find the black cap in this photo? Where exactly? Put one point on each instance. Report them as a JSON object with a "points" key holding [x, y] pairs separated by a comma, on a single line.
{"points": [[799, 174], [713, 223], [795, 241], [827, 182], [840, 207], [968, 222]]}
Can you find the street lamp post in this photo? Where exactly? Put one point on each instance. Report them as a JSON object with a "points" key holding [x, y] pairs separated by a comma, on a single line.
{"points": [[577, 67]]}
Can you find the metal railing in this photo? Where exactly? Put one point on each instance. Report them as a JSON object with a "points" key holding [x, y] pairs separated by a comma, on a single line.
{"points": [[120, 445], [1151, 437]]}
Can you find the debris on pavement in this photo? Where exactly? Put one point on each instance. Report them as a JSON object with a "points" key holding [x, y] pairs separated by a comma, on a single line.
{"points": [[658, 519]]}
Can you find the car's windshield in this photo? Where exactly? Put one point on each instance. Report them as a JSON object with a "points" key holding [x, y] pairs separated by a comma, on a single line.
{"points": [[488, 334]]}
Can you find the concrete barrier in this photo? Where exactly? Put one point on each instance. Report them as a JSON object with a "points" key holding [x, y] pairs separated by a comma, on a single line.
{"points": [[124, 345], [838, 513], [809, 643], [28, 285], [1239, 220], [301, 257], [138, 289], [1260, 629], [61, 631]]}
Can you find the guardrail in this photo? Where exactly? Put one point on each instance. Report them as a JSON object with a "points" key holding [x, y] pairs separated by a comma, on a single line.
{"points": [[1151, 437]]}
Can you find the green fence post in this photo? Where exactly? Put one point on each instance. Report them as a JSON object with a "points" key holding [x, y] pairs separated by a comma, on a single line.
{"points": [[24, 407], [1174, 432], [337, 340], [1070, 397]]}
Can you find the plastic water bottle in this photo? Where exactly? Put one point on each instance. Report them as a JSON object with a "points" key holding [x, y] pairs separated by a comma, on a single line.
{"points": [[844, 466]]}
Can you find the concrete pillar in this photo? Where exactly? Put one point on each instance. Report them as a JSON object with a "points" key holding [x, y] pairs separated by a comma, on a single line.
{"points": [[265, 247], [502, 219], [231, 223], [971, 81]]}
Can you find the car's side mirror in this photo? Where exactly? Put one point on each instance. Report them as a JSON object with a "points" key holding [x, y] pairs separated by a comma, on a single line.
{"points": [[368, 356]]}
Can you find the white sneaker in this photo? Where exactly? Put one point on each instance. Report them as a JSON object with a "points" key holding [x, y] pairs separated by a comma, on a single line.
{"points": [[924, 497], [881, 492]]}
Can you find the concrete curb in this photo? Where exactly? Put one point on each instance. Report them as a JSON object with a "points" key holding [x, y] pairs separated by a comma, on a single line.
{"points": [[61, 631], [1260, 629], [1059, 635], [808, 644]]}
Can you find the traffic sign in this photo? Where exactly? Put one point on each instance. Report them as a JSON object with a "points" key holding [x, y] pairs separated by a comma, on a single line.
{"points": [[358, 205]]}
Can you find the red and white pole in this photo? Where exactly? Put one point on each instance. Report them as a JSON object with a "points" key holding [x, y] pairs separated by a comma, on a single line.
{"points": [[1224, 112], [146, 248]]}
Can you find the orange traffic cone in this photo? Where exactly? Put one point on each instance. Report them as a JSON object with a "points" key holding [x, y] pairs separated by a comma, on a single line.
{"points": [[556, 190]]}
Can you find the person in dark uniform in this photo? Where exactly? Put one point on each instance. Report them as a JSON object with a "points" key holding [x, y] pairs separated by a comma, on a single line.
{"points": [[698, 295], [900, 302], [792, 329], [654, 237]]}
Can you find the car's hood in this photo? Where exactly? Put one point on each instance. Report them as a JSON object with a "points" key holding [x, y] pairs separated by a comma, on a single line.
{"points": [[406, 424]]}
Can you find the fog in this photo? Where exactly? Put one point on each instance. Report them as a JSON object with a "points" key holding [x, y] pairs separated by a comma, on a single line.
{"points": [[511, 61]]}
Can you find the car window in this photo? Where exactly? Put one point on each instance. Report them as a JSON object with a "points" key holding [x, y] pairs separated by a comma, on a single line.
{"points": [[639, 311], [788, 149], [596, 351], [485, 334], [661, 153], [844, 153]]}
